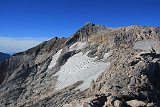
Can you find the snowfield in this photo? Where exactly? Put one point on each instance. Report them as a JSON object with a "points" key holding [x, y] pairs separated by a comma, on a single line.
{"points": [[78, 46], [80, 67], [54, 59], [146, 44]]}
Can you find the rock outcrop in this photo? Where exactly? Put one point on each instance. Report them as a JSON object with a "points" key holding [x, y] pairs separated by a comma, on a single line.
{"points": [[95, 67]]}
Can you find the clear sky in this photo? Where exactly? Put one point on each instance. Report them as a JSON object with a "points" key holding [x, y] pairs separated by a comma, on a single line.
{"points": [[39, 20]]}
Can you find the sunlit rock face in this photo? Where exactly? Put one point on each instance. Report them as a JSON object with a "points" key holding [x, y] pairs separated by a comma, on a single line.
{"points": [[95, 67]]}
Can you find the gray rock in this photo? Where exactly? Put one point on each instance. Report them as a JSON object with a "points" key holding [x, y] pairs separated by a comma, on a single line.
{"points": [[30, 78]]}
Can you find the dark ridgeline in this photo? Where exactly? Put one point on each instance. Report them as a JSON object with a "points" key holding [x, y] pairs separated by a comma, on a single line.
{"points": [[4, 56]]}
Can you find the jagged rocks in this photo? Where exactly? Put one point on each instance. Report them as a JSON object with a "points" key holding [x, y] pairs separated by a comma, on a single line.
{"points": [[95, 67]]}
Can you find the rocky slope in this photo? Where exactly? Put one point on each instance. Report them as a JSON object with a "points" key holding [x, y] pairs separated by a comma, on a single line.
{"points": [[4, 56], [95, 67]]}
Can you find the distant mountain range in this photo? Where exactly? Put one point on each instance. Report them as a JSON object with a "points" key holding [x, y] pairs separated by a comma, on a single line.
{"points": [[4, 56]]}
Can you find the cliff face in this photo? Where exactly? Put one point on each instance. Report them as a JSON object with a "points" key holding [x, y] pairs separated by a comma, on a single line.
{"points": [[96, 67]]}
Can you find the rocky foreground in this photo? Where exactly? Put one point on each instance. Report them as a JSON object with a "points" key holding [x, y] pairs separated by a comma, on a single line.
{"points": [[95, 67]]}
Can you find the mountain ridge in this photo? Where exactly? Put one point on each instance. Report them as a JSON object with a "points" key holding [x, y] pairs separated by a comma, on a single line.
{"points": [[96, 66], [3, 56]]}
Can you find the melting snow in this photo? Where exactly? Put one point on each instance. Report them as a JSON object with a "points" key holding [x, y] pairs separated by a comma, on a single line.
{"points": [[145, 44], [77, 46], [54, 59], [80, 67], [106, 55]]}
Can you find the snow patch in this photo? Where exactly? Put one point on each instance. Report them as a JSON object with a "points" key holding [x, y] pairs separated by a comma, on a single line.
{"points": [[80, 67], [145, 44], [106, 55], [54, 59], [78, 46]]}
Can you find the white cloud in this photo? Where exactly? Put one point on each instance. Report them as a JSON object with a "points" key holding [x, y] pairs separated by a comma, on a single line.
{"points": [[14, 45]]}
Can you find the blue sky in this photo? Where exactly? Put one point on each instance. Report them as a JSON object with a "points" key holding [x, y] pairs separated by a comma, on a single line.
{"points": [[39, 20]]}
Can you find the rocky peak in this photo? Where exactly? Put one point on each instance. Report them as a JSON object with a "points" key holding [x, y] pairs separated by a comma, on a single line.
{"points": [[88, 24], [84, 33], [95, 67]]}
